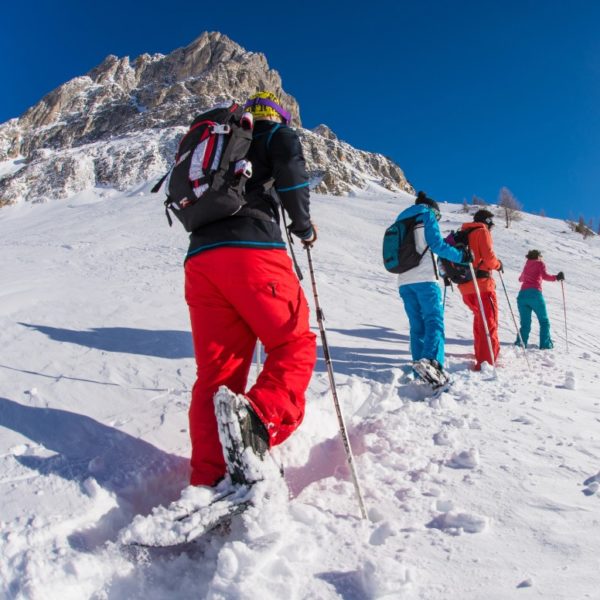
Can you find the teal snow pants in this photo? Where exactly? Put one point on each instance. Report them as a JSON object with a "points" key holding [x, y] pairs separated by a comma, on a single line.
{"points": [[423, 305], [532, 300]]}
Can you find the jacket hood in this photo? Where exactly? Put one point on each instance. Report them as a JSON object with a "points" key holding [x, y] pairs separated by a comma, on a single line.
{"points": [[413, 211], [472, 225]]}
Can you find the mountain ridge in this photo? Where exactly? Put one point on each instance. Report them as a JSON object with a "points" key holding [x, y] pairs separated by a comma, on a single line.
{"points": [[71, 139]]}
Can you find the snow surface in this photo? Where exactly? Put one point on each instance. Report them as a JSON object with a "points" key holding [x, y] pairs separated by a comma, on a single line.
{"points": [[9, 167], [490, 490]]}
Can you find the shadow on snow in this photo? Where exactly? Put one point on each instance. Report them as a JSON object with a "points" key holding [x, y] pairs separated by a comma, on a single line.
{"points": [[146, 342], [136, 472]]}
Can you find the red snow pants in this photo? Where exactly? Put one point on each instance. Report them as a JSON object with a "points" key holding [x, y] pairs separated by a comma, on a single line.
{"points": [[236, 296], [490, 307]]}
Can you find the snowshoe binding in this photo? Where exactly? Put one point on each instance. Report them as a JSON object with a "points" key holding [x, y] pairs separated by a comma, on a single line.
{"points": [[431, 372]]}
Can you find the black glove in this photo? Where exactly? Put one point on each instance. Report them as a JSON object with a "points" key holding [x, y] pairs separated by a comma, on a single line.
{"points": [[467, 256], [312, 238], [560, 276], [447, 282], [501, 267]]}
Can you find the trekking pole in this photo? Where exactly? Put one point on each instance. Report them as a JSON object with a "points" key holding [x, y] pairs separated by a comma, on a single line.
{"points": [[565, 313], [484, 318], [291, 246], [327, 356], [515, 322], [447, 283]]}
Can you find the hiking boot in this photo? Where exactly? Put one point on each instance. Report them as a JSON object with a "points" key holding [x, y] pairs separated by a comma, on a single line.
{"points": [[243, 436], [430, 371]]}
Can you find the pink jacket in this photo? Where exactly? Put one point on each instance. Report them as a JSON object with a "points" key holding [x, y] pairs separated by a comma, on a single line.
{"points": [[533, 273]]}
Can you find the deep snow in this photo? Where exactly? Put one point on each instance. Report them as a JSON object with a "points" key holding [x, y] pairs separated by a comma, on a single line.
{"points": [[488, 491]]}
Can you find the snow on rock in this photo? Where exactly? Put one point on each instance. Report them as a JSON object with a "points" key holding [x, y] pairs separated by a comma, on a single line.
{"points": [[119, 125]]}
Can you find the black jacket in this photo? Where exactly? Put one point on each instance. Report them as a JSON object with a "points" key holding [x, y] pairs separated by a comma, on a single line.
{"points": [[277, 158]]}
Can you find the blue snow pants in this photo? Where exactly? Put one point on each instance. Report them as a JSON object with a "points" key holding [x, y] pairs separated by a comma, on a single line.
{"points": [[532, 300], [423, 305]]}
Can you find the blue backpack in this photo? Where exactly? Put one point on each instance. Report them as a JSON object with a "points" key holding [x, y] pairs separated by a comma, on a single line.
{"points": [[399, 250]]}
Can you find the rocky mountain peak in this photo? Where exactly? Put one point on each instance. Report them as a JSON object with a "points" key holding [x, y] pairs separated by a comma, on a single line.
{"points": [[133, 112], [325, 132]]}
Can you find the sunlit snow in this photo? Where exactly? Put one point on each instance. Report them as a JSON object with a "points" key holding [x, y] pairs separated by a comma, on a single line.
{"points": [[490, 490]]}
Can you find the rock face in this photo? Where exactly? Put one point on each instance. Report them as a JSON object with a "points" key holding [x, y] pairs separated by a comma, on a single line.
{"points": [[119, 125]]}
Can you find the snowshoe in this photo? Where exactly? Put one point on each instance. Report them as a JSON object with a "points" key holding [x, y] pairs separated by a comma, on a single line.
{"points": [[199, 511], [243, 436], [254, 479], [431, 372]]}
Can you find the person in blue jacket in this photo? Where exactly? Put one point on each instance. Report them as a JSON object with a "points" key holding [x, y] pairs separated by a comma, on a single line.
{"points": [[420, 290]]}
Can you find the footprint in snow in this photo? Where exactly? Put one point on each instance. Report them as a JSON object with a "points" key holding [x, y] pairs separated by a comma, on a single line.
{"points": [[455, 523], [570, 382], [466, 459], [443, 438], [523, 419], [592, 485], [381, 534]]}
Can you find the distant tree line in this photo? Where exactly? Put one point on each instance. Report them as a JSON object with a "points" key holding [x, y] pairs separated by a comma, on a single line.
{"points": [[510, 209], [586, 229]]}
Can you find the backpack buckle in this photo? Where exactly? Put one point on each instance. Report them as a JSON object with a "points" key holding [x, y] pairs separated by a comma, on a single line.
{"points": [[219, 128], [243, 167]]}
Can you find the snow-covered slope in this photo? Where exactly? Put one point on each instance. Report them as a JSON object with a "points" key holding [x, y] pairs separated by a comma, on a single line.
{"points": [[476, 494]]}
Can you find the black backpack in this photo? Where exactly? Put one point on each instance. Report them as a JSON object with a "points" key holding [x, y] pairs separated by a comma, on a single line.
{"points": [[456, 272], [206, 182], [399, 250]]}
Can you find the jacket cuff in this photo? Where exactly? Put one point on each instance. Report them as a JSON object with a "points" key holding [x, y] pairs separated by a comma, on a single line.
{"points": [[305, 234]]}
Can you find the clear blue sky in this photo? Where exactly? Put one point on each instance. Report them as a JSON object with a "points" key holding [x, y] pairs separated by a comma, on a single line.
{"points": [[466, 96]]}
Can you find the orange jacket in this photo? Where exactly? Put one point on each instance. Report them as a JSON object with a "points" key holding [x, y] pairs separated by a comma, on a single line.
{"points": [[480, 242]]}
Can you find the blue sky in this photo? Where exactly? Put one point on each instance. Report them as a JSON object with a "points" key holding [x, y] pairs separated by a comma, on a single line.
{"points": [[466, 96]]}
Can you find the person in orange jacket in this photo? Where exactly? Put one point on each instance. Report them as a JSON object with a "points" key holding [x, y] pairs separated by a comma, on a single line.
{"points": [[484, 262]]}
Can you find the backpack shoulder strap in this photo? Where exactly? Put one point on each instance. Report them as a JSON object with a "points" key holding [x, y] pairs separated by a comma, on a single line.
{"points": [[272, 132], [467, 233], [412, 223]]}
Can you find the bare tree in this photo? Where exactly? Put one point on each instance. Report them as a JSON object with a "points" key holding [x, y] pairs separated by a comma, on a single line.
{"points": [[542, 213], [584, 229], [465, 206], [477, 201], [581, 227], [510, 206]]}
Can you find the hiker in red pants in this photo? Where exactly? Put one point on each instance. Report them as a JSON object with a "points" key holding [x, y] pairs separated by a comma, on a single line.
{"points": [[484, 262], [240, 287]]}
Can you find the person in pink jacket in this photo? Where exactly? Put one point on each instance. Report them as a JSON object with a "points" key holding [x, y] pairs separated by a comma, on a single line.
{"points": [[530, 298]]}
